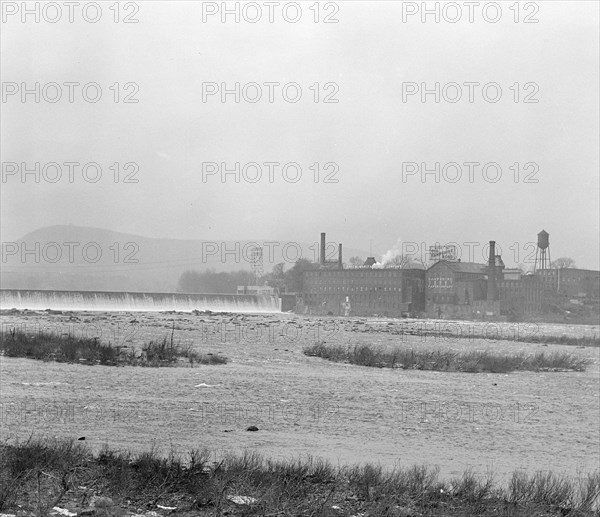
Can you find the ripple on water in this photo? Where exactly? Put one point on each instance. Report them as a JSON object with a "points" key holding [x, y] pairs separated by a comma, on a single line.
{"points": [[306, 405]]}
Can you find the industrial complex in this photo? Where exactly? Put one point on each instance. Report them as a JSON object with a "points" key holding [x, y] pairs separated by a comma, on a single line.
{"points": [[449, 288]]}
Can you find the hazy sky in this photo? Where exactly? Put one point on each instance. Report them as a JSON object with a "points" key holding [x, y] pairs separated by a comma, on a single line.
{"points": [[367, 57]]}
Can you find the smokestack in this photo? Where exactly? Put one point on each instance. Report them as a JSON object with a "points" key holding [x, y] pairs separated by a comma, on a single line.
{"points": [[492, 291], [340, 266], [322, 249]]}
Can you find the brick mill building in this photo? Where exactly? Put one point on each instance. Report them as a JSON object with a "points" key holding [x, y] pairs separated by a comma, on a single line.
{"points": [[447, 289]]}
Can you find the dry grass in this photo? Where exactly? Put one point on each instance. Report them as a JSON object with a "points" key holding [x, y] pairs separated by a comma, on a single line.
{"points": [[446, 360], [454, 330], [564, 340], [46, 346], [39, 474]]}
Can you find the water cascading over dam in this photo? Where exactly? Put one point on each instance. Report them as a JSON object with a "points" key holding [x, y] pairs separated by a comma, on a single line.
{"points": [[132, 301]]}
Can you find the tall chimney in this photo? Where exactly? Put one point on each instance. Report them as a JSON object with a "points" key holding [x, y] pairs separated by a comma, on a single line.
{"points": [[340, 266], [322, 249], [492, 291]]}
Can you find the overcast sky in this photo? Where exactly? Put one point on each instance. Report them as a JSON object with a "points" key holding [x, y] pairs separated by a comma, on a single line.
{"points": [[368, 134]]}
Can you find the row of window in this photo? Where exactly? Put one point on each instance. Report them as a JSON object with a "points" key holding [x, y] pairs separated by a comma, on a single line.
{"points": [[313, 285], [362, 301], [444, 298], [378, 273], [440, 282], [326, 289]]}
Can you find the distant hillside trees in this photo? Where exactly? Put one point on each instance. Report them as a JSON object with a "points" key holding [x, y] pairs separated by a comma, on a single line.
{"points": [[404, 262], [289, 281], [210, 281], [356, 262], [293, 277], [276, 278], [398, 262], [563, 262]]}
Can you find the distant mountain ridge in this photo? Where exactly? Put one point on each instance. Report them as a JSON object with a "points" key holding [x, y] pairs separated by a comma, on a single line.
{"points": [[78, 257]]}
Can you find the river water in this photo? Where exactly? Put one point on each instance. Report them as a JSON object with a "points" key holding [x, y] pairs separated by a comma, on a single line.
{"points": [[306, 405]]}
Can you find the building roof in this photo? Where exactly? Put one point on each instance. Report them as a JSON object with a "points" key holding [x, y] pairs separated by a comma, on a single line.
{"points": [[567, 269], [362, 269], [370, 261], [464, 267]]}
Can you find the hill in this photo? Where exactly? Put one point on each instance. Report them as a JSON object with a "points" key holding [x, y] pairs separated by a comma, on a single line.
{"points": [[78, 257]]}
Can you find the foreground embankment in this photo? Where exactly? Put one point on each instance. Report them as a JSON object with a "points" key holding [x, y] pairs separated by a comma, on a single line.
{"points": [[42, 476], [344, 413]]}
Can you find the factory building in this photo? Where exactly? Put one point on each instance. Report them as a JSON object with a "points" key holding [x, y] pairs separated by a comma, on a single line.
{"points": [[452, 287], [457, 289], [571, 282], [364, 292], [448, 289], [520, 296]]}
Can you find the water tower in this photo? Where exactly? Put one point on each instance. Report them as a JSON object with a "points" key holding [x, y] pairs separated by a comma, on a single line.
{"points": [[542, 253]]}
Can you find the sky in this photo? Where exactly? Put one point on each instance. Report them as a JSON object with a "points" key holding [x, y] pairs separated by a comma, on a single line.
{"points": [[356, 164]]}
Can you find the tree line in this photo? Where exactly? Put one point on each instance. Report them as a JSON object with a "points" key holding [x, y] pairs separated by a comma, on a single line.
{"points": [[210, 281]]}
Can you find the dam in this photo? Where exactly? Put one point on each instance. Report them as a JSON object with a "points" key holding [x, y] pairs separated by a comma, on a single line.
{"points": [[136, 301]]}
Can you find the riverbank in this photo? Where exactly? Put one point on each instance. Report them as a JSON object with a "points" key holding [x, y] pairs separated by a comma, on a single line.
{"points": [[43, 476]]}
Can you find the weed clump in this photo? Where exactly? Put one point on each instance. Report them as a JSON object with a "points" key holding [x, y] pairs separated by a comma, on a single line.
{"points": [[39, 474], [46, 346], [446, 360]]}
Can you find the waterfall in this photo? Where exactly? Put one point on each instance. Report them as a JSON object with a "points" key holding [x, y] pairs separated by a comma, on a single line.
{"points": [[131, 301]]}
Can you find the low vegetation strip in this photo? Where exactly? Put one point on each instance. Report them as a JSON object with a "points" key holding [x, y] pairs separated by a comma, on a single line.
{"points": [[38, 475], [591, 341], [452, 331], [445, 360], [69, 349]]}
